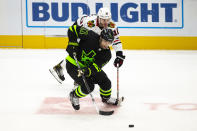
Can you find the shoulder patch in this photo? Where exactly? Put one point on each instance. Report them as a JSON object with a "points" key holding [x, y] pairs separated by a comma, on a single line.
{"points": [[111, 25], [83, 31], [91, 23]]}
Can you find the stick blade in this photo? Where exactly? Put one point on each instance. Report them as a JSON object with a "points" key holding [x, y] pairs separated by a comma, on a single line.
{"points": [[106, 113]]}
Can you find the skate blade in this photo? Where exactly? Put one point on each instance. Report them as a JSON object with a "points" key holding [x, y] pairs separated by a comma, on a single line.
{"points": [[55, 75]]}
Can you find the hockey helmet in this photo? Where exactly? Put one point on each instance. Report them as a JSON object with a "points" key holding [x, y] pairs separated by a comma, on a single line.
{"points": [[104, 13], [107, 34]]}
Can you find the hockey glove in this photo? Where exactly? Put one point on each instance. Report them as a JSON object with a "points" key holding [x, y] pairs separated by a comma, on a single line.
{"points": [[92, 70], [85, 71], [119, 59]]}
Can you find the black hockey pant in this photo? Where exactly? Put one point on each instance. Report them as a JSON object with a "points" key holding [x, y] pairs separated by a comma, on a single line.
{"points": [[101, 79]]}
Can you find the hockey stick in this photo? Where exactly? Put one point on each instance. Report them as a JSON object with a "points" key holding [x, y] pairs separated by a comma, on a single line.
{"points": [[118, 81], [88, 89], [120, 99]]}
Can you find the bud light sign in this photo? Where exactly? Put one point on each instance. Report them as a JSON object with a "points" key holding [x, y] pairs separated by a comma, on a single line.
{"points": [[167, 14]]}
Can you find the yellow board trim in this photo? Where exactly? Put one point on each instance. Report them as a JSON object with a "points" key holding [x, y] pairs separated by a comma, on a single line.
{"points": [[56, 42], [159, 42], [34, 41], [14, 41], [129, 42], [42, 42]]}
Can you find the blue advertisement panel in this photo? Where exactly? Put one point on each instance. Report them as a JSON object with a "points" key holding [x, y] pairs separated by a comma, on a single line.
{"points": [[154, 14]]}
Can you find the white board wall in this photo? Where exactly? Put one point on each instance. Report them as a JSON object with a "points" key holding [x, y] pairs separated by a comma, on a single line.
{"points": [[11, 24]]}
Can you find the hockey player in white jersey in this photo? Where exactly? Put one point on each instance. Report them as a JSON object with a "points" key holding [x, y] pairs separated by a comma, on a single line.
{"points": [[95, 23]]}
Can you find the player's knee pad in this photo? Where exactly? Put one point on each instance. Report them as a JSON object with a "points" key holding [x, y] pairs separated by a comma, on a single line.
{"points": [[105, 84], [85, 90]]}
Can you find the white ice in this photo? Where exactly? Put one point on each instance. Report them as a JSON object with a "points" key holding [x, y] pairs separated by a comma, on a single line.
{"points": [[160, 90]]}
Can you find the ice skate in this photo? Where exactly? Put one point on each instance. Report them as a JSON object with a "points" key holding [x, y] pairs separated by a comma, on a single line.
{"points": [[57, 72], [74, 100], [112, 101]]}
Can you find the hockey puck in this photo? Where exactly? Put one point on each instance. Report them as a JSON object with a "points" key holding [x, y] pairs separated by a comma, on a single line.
{"points": [[131, 126]]}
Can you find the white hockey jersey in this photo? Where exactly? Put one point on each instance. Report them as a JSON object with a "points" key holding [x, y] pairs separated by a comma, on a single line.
{"points": [[91, 23]]}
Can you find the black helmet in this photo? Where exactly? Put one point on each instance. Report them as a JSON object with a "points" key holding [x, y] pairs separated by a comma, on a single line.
{"points": [[107, 34]]}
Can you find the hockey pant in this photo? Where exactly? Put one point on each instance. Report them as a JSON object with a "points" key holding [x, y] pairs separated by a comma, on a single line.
{"points": [[100, 78]]}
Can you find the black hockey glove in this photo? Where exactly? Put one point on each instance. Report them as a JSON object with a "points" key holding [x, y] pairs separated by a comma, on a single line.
{"points": [[119, 59]]}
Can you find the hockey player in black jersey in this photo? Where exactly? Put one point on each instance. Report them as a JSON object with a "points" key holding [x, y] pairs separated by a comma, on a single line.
{"points": [[93, 53], [95, 23]]}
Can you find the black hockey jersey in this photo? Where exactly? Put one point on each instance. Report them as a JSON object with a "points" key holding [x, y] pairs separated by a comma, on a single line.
{"points": [[89, 53]]}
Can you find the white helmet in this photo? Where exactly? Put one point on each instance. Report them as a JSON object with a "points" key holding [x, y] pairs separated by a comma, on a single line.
{"points": [[104, 13]]}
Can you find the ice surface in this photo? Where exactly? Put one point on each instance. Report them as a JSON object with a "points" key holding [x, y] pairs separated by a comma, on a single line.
{"points": [[160, 90]]}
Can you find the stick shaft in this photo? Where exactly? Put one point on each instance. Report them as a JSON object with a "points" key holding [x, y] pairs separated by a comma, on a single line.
{"points": [[118, 82]]}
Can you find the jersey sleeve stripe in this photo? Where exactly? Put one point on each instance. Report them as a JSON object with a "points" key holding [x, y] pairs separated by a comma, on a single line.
{"points": [[116, 43], [75, 27]]}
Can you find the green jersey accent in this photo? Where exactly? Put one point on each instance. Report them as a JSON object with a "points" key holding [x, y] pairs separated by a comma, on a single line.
{"points": [[72, 61], [88, 58], [83, 31], [75, 27], [96, 67], [71, 28], [73, 43]]}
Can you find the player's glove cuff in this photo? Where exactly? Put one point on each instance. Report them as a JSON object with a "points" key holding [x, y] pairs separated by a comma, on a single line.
{"points": [[120, 55]]}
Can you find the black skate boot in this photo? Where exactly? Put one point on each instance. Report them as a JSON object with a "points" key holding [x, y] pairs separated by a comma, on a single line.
{"points": [[57, 72], [74, 100]]}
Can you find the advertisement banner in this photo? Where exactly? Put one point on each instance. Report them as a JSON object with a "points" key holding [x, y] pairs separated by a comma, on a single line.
{"points": [[126, 14]]}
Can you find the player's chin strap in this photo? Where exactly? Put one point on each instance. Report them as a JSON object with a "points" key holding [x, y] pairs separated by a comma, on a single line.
{"points": [[88, 89]]}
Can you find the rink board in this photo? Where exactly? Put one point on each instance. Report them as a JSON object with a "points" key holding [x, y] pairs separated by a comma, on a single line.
{"points": [[129, 42]]}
